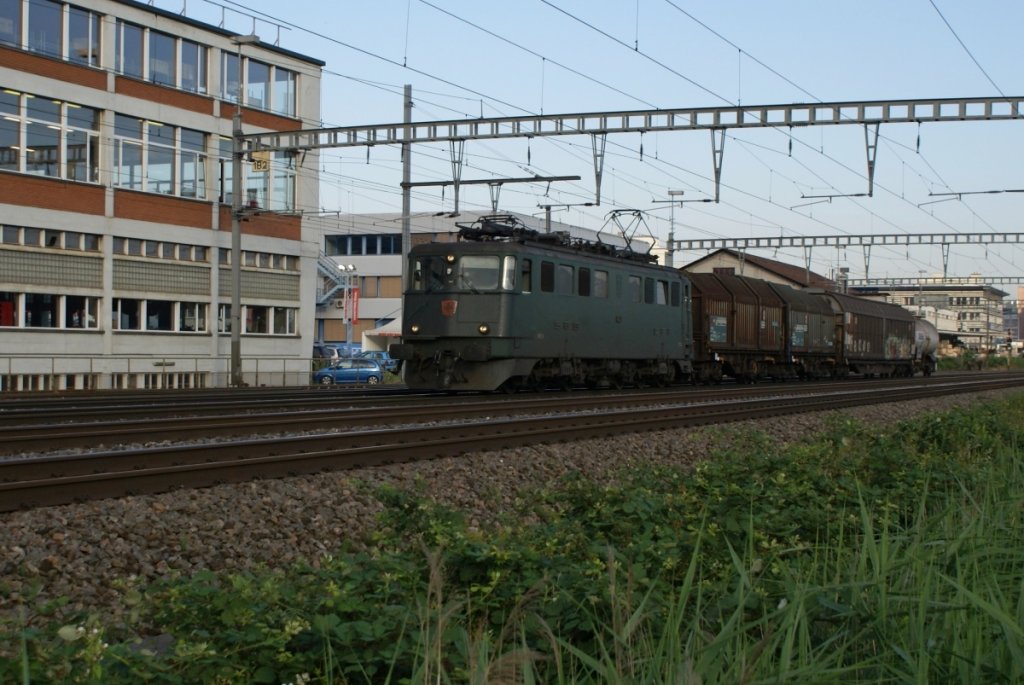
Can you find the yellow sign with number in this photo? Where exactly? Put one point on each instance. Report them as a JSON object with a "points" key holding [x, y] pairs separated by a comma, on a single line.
{"points": [[261, 161]]}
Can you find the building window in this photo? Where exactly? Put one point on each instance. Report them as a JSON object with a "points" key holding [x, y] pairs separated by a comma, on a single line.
{"points": [[128, 48], [10, 131], [10, 309], [44, 27], [256, 319], [159, 315], [42, 137], [193, 164], [126, 314], [82, 148], [192, 317], [10, 23], [128, 152], [159, 164], [193, 67], [284, 92], [257, 85], [81, 312], [83, 36], [229, 77], [42, 310], [158, 158], [58, 139], [162, 59], [284, 321]]}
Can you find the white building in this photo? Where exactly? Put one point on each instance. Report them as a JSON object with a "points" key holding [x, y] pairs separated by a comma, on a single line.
{"points": [[115, 200]]}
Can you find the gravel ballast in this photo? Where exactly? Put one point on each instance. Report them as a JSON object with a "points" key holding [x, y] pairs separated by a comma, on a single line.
{"points": [[91, 552]]}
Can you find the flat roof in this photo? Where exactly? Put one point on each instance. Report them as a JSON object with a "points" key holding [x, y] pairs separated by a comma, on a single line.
{"points": [[146, 7]]}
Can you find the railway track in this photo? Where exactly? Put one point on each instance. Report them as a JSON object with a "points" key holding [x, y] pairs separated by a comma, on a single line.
{"points": [[43, 481], [36, 432]]}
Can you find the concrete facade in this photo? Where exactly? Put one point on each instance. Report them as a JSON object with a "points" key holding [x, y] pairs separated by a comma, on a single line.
{"points": [[115, 197]]}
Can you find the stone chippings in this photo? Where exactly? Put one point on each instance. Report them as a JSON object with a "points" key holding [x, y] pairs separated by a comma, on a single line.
{"points": [[92, 552]]}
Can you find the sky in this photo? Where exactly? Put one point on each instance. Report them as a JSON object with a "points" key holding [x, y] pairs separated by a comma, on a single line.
{"points": [[470, 58]]}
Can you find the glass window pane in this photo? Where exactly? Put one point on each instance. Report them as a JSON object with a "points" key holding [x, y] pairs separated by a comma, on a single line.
{"points": [[128, 165], [193, 67], [158, 315], [44, 27], [42, 151], [162, 59], [258, 85], [10, 235], [83, 37], [10, 139], [83, 117], [41, 310], [128, 127], [229, 77], [9, 315], [129, 49], [82, 156], [284, 92], [160, 174], [10, 23], [256, 319], [125, 314]]}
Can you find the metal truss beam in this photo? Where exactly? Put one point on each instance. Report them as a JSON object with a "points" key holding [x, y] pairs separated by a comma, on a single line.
{"points": [[932, 282], [850, 241], [643, 121], [598, 125]]}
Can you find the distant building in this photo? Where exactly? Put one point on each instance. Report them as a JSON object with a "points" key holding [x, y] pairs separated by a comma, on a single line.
{"points": [[742, 264]]}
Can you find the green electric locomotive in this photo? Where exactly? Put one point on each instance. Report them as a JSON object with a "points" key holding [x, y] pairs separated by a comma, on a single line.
{"points": [[506, 307]]}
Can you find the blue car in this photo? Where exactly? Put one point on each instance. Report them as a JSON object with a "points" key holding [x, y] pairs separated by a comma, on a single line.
{"points": [[350, 371], [381, 357]]}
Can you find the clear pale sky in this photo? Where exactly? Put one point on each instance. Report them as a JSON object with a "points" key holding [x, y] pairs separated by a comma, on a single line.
{"points": [[467, 58]]}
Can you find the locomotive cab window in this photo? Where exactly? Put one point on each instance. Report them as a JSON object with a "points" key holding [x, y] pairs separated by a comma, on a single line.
{"points": [[583, 285], [508, 273], [526, 275], [563, 279], [478, 272], [600, 284], [634, 291]]}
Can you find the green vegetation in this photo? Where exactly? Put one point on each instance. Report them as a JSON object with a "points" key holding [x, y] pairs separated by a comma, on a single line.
{"points": [[865, 557], [972, 361]]}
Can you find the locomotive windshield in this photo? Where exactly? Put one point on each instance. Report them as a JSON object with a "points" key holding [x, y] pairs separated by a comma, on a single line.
{"points": [[472, 273]]}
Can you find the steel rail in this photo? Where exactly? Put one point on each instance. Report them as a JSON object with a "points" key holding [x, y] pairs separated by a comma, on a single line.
{"points": [[46, 482], [44, 437]]}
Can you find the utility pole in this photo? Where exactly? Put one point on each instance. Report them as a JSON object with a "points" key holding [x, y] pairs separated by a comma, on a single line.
{"points": [[236, 221]]}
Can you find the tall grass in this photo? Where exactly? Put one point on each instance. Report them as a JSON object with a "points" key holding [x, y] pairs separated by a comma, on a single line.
{"points": [[866, 557]]}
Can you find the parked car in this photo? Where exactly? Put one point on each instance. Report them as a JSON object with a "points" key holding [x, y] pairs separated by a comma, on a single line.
{"points": [[381, 357], [350, 371], [322, 351]]}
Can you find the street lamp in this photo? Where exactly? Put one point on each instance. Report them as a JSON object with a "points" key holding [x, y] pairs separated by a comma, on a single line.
{"points": [[351, 298], [236, 221]]}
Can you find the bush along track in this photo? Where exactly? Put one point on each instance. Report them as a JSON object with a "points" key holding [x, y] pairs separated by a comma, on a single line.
{"points": [[864, 556]]}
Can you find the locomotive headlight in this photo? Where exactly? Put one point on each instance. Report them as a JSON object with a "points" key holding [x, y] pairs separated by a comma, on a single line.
{"points": [[415, 328], [450, 258], [484, 329]]}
